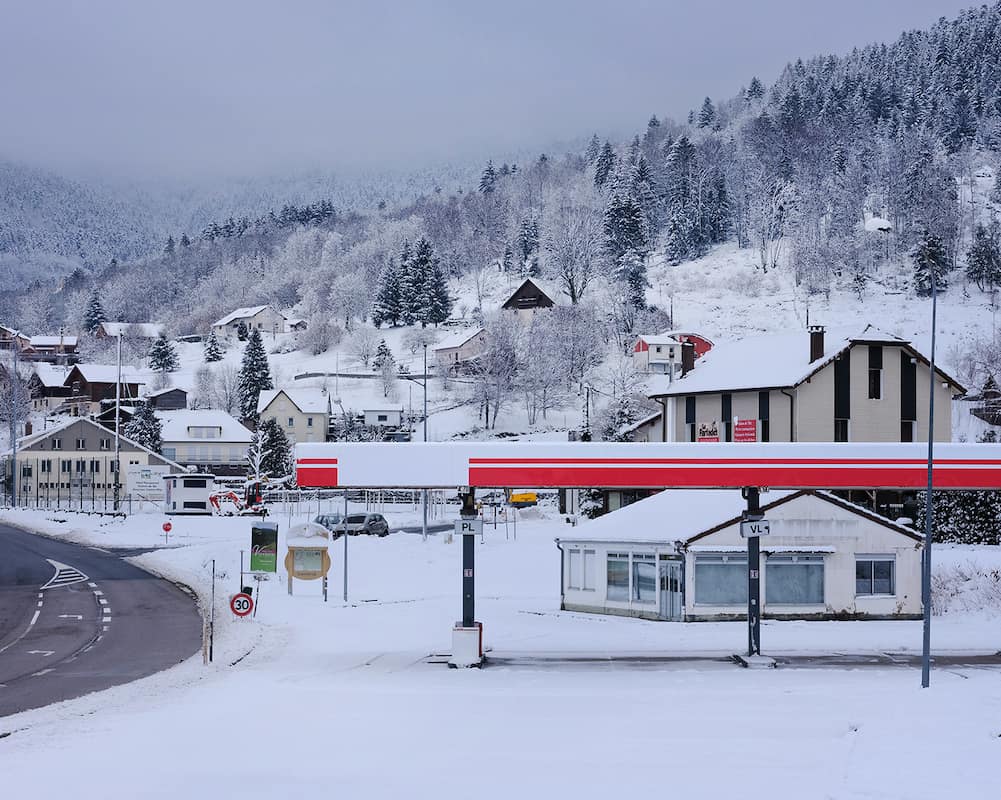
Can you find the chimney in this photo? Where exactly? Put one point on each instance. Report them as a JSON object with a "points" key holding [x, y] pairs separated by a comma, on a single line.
{"points": [[687, 358], [816, 342]]}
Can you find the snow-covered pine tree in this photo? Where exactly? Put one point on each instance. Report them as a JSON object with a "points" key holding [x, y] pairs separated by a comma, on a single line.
{"points": [[930, 260], [94, 315], [441, 301], [707, 114], [185, 241], [423, 298], [489, 179], [624, 223], [604, 165], [621, 414], [171, 246], [276, 451], [145, 428], [388, 305], [213, 352], [983, 259], [409, 284], [241, 331], [382, 355], [630, 272], [592, 150], [255, 375], [162, 357], [755, 90]]}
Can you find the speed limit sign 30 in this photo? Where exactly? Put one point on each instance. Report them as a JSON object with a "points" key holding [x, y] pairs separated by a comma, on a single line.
{"points": [[241, 604]]}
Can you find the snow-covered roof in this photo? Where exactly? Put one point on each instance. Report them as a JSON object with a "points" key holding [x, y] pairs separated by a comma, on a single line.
{"points": [[458, 339], [243, 313], [107, 373], [769, 361], [37, 436], [668, 516], [141, 330], [639, 423], [176, 426], [878, 224], [551, 290], [53, 341], [685, 515], [51, 375], [309, 399], [169, 389], [659, 338]]}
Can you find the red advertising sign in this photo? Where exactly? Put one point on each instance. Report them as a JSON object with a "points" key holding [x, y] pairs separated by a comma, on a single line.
{"points": [[745, 430], [708, 432]]}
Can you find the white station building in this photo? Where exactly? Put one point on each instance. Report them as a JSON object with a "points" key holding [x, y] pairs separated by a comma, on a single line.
{"points": [[679, 556]]}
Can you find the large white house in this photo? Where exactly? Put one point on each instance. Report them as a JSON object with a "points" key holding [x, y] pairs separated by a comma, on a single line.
{"points": [[679, 556], [208, 440], [262, 318], [303, 413]]}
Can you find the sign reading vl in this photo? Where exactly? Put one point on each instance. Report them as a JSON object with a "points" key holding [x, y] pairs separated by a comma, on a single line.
{"points": [[754, 527]]}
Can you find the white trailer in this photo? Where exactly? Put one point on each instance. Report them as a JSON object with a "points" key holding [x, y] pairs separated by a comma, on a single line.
{"points": [[188, 493]]}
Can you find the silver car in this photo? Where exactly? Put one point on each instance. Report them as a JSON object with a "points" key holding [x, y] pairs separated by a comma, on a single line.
{"points": [[364, 523]]}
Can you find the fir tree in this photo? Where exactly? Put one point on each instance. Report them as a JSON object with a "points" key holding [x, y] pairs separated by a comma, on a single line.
{"points": [[162, 357], [185, 241], [241, 331], [94, 315], [213, 352], [707, 114], [755, 91], [409, 284], [388, 305], [145, 428], [631, 274], [593, 150], [930, 263], [604, 165], [625, 224], [983, 260], [441, 302], [169, 249], [622, 414], [489, 179], [255, 375], [276, 451], [382, 355]]}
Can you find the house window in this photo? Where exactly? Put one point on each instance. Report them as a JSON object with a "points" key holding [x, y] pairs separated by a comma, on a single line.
{"points": [[617, 576], [875, 372], [95, 465], [841, 430], [875, 575], [57, 444], [26, 470], [573, 569], [763, 414], [587, 571], [907, 430], [795, 580], [195, 483], [81, 466], [382, 418], [309, 422], [105, 444], [690, 417], [657, 349], [721, 579], [644, 578], [46, 465], [81, 444], [291, 422], [65, 465]]}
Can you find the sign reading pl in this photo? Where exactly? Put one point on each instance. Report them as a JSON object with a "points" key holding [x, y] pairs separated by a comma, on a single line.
{"points": [[146, 483], [468, 527]]}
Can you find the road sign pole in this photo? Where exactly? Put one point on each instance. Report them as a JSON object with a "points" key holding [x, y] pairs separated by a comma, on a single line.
{"points": [[753, 512], [468, 514]]}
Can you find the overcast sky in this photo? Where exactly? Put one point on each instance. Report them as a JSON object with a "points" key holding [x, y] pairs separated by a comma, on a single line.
{"points": [[204, 86]]}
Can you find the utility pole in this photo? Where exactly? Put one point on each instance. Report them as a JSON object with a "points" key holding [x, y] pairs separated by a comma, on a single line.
{"points": [[118, 423], [15, 405], [424, 495]]}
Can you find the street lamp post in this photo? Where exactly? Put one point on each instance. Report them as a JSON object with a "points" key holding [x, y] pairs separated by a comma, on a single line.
{"points": [[926, 561]]}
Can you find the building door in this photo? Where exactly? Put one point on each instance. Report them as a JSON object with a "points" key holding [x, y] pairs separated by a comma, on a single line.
{"points": [[671, 590]]}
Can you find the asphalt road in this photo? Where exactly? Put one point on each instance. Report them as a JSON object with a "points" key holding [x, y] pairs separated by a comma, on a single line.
{"points": [[84, 623]]}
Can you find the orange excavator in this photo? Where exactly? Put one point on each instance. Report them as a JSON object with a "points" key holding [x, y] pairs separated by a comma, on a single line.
{"points": [[229, 504]]}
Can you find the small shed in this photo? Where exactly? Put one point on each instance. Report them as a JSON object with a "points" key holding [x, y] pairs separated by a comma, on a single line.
{"points": [[679, 556], [383, 417]]}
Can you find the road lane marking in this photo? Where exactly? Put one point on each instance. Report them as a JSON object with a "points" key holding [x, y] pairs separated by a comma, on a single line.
{"points": [[71, 616], [34, 619], [42, 672], [92, 585], [102, 601], [97, 592], [65, 575], [39, 604], [45, 653]]}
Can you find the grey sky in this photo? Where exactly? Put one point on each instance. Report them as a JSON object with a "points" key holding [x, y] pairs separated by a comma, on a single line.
{"points": [[188, 87]]}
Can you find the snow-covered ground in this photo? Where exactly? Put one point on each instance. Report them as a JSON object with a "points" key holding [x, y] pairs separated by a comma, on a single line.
{"points": [[337, 697]]}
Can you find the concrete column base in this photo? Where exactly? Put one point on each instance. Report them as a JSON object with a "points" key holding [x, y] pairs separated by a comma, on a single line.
{"points": [[467, 646]]}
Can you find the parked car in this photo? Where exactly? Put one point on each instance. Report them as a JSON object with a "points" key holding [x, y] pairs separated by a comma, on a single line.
{"points": [[330, 522], [364, 523]]}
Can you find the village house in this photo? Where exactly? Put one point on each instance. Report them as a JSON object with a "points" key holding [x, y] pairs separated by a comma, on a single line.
{"points": [[383, 417], [262, 318], [304, 414], [75, 462], [206, 440], [169, 399], [58, 349], [47, 387], [678, 555], [532, 295], [459, 350], [661, 353], [90, 384], [841, 386], [11, 339]]}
